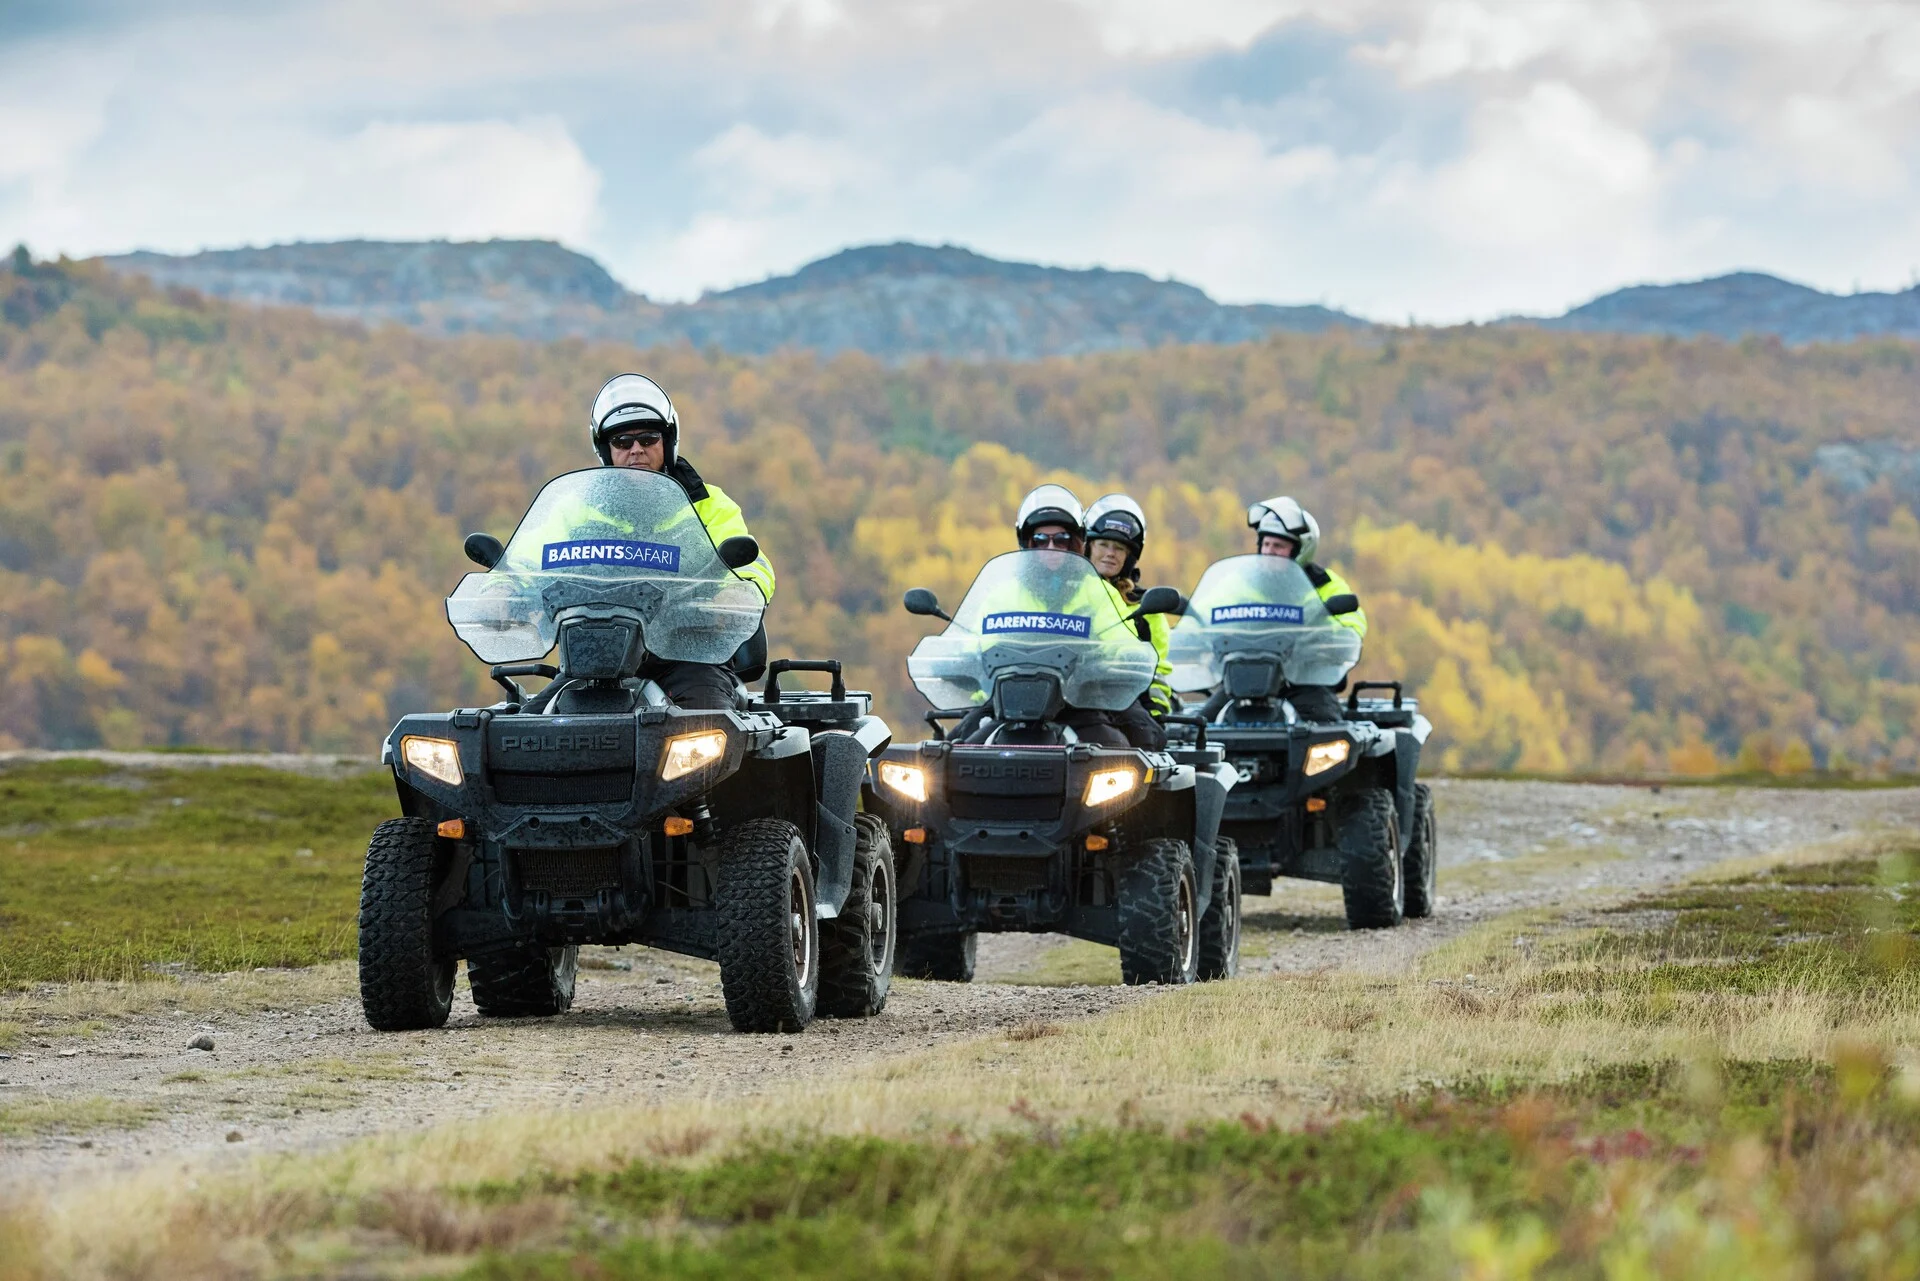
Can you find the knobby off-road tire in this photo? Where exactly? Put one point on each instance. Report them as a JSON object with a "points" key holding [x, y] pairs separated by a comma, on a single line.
{"points": [[404, 983], [1422, 866], [1370, 876], [1159, 923], [1220, 927], [769, 931], [856, 947], [944, 958], [524, 981]]}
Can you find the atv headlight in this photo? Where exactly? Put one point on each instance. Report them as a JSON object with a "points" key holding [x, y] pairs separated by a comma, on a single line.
{"points": [[435, 757], [1110, 784], [1322, 757], [908, 780], [688, 752]]}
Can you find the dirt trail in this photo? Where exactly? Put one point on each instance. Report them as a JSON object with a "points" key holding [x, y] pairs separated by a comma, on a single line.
{"points": [[295, 1066]]}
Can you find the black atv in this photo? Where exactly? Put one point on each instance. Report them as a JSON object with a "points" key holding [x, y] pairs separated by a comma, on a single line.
{"points": [[595, 811], [1323, 802], [1011, 823]]}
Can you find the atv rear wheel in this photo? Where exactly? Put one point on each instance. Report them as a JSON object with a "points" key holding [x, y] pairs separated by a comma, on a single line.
{"points": [[769, 930], [1422, 867], [944, 958], [856, 948], [524, 980], [405, 983], [1220, 927], [1370, 875], [1159, 926]]}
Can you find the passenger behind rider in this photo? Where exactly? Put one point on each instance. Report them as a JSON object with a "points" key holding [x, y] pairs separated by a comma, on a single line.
{"points": [[634, 424], [1282, 527], [1116, 537]]}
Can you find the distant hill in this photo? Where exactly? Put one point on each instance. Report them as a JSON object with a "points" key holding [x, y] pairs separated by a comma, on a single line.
{"points": [[892, 301], [1746, 302]]}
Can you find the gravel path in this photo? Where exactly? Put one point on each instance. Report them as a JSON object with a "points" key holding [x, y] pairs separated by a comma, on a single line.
{"points": [[306, 1071]]}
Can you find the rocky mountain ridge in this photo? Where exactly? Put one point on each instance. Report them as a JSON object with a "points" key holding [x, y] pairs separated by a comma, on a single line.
{"points": [[901, 301]]}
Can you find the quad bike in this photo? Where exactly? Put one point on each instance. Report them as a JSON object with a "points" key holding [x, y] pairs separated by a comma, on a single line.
{"points": [[1011, 823], [1324, 802], [596, 811]]}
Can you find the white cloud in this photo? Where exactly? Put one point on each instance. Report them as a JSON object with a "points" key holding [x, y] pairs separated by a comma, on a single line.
{"points": [[1454, 159]]}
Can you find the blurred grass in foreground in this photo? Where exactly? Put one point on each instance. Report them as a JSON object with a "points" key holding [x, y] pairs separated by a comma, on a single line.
{"points": [[106, 874]]}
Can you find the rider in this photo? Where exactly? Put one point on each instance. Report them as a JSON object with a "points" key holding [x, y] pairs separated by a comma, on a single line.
{"points": [[635, 425], [1116, 537], [1282, 527], [1051, 519]]}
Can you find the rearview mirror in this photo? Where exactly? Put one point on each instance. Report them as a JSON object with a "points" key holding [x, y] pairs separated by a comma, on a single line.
{"points": [[484, 550], [1161, 600], [923, 602], [739, 551], [1344, 603]]}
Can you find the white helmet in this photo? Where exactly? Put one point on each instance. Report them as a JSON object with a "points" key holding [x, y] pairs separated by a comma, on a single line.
{"points": [[1284, 518], [631, 401], [1050, 505], [1119, 519]]}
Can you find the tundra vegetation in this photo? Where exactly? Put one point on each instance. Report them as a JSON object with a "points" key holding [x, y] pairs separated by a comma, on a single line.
{"points": [[229, 526], [1716, 1078]]}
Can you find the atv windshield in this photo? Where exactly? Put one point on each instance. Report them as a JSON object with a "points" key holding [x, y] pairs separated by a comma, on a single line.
{"points": [[1036, 609], [1259, 605], [612, 537]]}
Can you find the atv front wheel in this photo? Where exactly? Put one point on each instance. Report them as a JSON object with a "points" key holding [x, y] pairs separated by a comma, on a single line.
{"points": [[1370, 875], [524, 980], [769, 931], [1422, 866], [944, 958], [405, 984], [1159, 926], [1220, 927], [856, 947]]}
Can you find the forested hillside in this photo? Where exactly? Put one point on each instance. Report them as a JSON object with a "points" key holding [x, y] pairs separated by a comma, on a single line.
{"points": [[236, 527]]}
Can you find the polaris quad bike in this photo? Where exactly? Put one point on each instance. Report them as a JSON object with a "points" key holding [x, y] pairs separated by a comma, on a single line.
{"points": [[1336, 803], [596, 811], [1011, 823]]}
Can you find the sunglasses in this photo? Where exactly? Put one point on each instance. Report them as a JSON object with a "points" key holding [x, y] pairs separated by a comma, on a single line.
{"points": [[1065, 541], [635, 439]]}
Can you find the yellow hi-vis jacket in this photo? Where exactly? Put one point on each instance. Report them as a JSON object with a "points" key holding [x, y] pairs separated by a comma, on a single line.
{"points": [[1326, 585], [1153, 628]]}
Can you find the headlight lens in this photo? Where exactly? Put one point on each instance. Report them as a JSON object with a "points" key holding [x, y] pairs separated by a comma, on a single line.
{"points": [[1110, 784], [908, 780], [1322, 757], [688, 752], [435, 757]]}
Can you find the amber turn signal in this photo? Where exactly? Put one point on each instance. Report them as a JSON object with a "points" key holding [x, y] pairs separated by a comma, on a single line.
{"points": [[1096, 843], [1315, 804], [453, 829], [915, 835], [678, 826]]}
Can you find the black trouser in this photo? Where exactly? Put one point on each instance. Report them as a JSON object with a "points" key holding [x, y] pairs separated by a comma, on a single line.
{"points": [[691, 685], [1093, 727], [1142, 731], [1315, 703]]}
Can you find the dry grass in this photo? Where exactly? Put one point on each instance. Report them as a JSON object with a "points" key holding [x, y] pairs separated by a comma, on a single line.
{"points": [[68, 1009], [1283, 1052]]}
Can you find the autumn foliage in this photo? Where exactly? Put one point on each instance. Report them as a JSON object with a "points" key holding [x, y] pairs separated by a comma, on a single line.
{"points": [[237, 527]]}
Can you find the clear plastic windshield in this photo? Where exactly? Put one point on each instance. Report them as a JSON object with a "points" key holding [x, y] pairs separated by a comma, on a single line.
{"points": [[1036, 609], [610, 537], [1259, 605]]}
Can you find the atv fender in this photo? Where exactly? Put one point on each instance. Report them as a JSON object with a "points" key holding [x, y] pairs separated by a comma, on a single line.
{"points": [[839, 767]]}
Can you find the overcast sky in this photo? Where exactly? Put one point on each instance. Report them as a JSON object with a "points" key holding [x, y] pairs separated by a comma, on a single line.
{"points": [[1446, 160]]}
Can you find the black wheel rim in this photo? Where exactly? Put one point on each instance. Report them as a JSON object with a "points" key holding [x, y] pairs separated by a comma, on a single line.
{"points": [[1183, 923], [443, 972], [880, 919], [801, 923]]}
